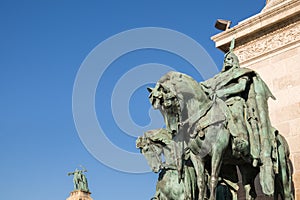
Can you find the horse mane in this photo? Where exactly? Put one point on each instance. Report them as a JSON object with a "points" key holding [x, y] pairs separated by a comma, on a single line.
{"points": [[179, 83]]}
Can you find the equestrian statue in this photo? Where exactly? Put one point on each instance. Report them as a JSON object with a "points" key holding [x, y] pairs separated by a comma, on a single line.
{"points": [[211, 129]]}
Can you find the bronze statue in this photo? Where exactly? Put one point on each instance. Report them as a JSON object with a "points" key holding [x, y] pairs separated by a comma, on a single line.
{"points": [[197, 123], [79, 180], [222, 123]]}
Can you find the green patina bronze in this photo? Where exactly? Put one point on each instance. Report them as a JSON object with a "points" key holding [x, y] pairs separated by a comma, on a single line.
{"points": [[213, 127], [79, 180], [157, 143]]}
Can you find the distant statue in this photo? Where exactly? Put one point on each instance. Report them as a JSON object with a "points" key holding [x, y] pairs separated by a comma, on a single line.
{"points": [[79, 180], [219, 124]]}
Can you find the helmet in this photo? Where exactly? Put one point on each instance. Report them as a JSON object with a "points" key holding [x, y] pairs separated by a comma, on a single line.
{"points": [[230, 59]]}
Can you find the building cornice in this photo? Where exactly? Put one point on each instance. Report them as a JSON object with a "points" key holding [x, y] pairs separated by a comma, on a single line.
{"points": [[258, 25]]}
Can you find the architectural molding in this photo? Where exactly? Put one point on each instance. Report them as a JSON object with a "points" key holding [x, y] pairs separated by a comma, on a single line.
{"points": [[260, 24], [282, 35], [272, 4]]}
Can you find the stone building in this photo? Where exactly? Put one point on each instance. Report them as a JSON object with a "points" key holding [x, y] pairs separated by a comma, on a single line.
{"points": [[269, 43]]}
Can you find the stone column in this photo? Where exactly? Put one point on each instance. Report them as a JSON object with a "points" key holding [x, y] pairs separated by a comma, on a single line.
{"points": [[269, 43], [79, 195]]}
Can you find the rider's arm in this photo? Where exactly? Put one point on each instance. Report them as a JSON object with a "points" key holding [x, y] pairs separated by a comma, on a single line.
{"points": [[235, 89]]}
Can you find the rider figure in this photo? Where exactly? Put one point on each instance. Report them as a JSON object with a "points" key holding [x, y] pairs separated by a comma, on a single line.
{"points": [[232, 85], [231, 91], [246, 95]]}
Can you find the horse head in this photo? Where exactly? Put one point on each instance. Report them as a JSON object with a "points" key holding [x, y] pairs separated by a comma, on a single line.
{"points": [[180, 99], [155, 144], [151, 150]]}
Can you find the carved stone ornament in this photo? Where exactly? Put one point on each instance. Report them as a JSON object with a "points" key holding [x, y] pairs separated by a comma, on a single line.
{"points": [[287, 34]]}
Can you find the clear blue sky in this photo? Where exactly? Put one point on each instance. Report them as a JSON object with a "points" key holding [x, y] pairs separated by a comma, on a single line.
{"points": [[43, 44]]}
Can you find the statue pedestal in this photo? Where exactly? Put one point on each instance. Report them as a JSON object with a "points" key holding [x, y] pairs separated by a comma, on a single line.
{"points": [[79, 195]]}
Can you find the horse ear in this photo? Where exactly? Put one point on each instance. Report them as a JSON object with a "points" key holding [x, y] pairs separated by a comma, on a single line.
{"points": [[149, 89], [138, 142]]}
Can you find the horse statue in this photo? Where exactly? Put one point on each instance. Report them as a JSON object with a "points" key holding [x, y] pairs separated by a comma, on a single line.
{"points": [[199, 125], [157, 143]]}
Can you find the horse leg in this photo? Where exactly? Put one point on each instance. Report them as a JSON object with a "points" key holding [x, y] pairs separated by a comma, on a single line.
{"points": [[216, 156], [189, 183], [248, 176], [216, 163], [200, 173]]}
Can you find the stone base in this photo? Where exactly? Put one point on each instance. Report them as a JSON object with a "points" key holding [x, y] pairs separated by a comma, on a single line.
{"points": [[79, 195]]}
